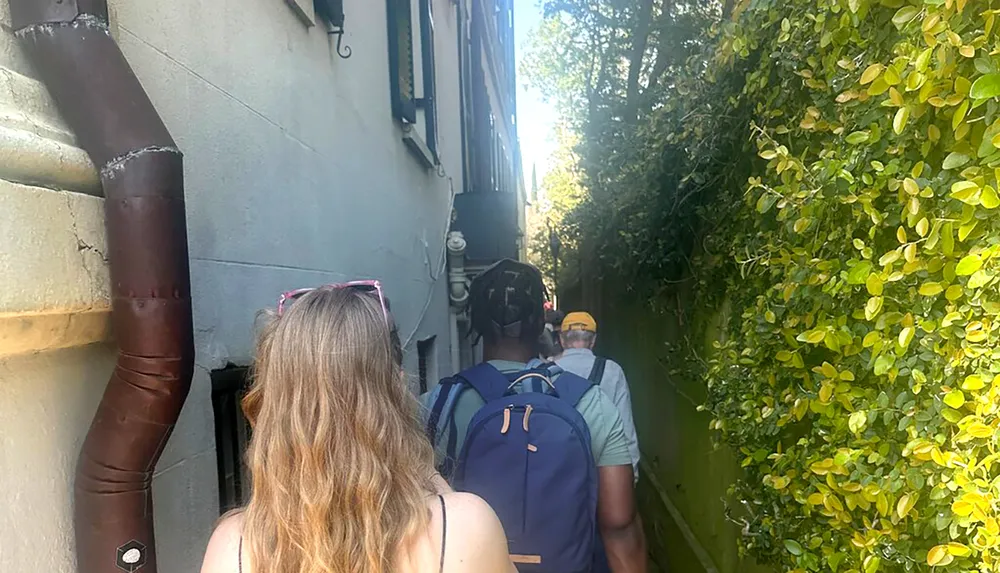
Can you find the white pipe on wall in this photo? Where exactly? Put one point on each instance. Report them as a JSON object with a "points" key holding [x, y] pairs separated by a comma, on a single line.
{"points": [[458, 292], [456, 349]]}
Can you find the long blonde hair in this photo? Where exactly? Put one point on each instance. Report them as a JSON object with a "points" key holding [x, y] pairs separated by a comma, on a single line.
{"points": [[341, 470]]}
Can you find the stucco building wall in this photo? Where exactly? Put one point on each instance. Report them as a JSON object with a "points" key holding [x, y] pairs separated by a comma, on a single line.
{"points": [[296, 175]]}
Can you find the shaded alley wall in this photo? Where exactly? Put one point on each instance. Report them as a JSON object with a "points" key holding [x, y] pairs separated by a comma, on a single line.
{"points": [[684, 477]]}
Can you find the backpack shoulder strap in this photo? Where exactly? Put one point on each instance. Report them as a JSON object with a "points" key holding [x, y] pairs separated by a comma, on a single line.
{"points": [[444, 392], [486, 380], [597, 372], [571, 387]]}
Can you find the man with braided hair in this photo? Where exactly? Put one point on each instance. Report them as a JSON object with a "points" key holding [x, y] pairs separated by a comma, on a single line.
{"points": [[488, 442]]}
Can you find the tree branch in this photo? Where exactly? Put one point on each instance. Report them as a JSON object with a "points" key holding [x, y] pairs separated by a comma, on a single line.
{"points": [[662, 53], [640, 38]]}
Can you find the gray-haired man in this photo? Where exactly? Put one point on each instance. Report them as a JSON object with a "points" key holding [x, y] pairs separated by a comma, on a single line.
{"points": [[578, 335]]}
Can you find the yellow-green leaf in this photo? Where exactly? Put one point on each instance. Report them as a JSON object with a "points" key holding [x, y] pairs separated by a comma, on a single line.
{"points": [[959, 550], [812, 336], [828, 370], [959, 117], [874, 285], [962, 508], [890, 257], [968, 265], [938, 556], [973, 382], [858, 137], [948, 238], [870, 73], [954, 160], [899, 121], [873, 307], [979, 278], [965, 230], [870, 339], [905, 505], [955, 398], [906, 336], [857, 421], [965, 191], [953, 293], [989, 198], [931, 289]]}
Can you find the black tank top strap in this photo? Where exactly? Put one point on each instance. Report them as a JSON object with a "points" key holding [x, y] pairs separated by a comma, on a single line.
{"points": [[239, 555], [444, 531]]}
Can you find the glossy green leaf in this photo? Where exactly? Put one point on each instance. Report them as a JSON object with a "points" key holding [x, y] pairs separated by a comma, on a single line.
{"points": [[986, 86]]}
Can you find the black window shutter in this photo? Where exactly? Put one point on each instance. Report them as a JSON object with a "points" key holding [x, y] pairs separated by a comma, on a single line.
{"points": [[401, 79]]}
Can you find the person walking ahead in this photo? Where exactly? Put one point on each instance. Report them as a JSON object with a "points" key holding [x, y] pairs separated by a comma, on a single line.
{"points": [[545, 449], [578, 336], [343, 478]]}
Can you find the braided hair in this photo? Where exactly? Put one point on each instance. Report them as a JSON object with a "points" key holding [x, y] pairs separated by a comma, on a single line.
{"points": [[507, 301]]}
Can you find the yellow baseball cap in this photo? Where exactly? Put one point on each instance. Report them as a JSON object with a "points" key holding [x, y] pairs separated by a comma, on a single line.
{"points": [[579, 321]]}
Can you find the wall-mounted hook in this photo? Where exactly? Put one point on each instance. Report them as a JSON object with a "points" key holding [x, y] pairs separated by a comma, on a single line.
{"points": [[332, 11], [345, 51]]}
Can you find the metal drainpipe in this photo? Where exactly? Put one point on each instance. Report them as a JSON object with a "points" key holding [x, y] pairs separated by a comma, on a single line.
{"points": [[141, 170], [458, 292]]}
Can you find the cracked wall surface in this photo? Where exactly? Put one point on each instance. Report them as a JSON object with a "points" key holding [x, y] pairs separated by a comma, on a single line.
{"points": [[296, 175]]}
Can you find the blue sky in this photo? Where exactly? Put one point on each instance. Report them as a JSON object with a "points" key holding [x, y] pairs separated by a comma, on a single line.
{"points": [[535, 118]]}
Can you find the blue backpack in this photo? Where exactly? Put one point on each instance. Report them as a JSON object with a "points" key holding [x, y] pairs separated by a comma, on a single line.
{"points": [[528, 455]]}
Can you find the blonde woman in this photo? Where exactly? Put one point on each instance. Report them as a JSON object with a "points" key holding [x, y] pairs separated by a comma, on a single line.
{"points": [[343, 476]]}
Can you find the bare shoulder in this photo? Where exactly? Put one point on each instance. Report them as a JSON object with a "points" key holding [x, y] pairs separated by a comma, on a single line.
{"points": [[223, 553], [468, 509], [475, 537]]}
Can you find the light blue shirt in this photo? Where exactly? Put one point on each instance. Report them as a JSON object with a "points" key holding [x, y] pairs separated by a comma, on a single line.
{"points": [[580, 361]]}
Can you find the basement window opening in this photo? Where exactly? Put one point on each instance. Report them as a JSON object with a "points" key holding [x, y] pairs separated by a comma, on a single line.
{"points": [[427, 361], [232, 434]]}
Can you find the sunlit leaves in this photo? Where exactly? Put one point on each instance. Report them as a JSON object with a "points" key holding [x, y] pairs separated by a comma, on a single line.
{"points": [[858, 350]]}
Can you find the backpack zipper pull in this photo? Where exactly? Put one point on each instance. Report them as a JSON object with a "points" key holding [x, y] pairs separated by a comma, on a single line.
{"points": [[506, 420], [527, 414]]}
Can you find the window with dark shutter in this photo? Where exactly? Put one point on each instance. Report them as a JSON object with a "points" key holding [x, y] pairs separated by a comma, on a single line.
{"points": [[414, 95], [401, 79], [428, 103]]}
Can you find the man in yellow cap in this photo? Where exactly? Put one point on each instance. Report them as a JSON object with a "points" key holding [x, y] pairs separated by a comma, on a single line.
{"points": [[578, 336]]}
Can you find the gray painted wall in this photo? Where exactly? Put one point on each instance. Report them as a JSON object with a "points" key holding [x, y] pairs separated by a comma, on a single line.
{"points": [[296, 175]]}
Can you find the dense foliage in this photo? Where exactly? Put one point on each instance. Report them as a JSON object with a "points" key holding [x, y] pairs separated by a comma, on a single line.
{"points": [[830, 168]]}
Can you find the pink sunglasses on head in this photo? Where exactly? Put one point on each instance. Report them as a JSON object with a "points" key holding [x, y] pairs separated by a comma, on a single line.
{"points": [[364, 286]]}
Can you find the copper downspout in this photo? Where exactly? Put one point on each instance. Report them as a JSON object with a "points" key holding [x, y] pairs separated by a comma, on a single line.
{"points": [[102, 101]]}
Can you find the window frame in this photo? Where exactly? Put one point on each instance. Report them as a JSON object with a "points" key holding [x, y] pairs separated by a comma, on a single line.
{"points": [[399, 18], [428, 103], [402, 73]]}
